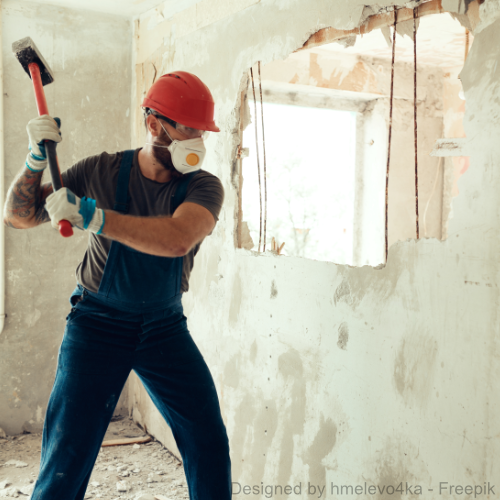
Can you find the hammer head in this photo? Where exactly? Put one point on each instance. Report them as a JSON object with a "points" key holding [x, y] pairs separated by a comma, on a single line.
{"points": [[27, 53]]}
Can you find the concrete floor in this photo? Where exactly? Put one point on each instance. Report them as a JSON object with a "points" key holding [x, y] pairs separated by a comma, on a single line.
{"points": [[148, 472]]}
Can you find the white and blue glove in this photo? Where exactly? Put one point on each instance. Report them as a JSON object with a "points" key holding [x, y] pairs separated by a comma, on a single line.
{"points": [[40, 129], [82, 213]]}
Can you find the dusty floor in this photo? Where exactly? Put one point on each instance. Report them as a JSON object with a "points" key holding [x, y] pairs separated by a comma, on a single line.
{"points": [[145, 471]]}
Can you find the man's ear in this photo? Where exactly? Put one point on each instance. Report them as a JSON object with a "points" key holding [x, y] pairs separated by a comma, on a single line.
{"points": [[153, 125]]}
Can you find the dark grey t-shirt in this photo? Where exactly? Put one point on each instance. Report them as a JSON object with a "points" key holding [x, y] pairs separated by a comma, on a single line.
{"points": [[96, 177]]}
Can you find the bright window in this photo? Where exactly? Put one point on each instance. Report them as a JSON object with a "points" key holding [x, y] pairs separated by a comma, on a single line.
{"points": [[311, 155]]}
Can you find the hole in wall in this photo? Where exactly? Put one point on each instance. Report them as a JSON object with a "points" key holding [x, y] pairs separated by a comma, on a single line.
{"points": [[325, 111]]}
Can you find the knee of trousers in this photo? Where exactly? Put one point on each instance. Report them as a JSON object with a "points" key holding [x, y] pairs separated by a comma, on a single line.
{"points": [[205, 433]]}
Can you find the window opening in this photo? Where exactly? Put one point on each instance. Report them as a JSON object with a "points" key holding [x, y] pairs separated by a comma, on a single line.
{"points": [[303, 145], [353, 79]]}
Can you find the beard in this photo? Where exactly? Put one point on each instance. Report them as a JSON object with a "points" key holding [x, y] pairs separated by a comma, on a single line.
{"points": [[162, 154]]}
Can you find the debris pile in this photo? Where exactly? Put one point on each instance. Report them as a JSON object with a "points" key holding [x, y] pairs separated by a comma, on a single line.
{"points": [[145, 471]]}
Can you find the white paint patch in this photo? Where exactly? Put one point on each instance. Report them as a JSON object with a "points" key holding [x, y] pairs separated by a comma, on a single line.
{"points": [[127, 113], [39, 414]]}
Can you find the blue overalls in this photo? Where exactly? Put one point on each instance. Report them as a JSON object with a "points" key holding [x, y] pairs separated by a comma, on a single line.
{"points": [[134, 322]]}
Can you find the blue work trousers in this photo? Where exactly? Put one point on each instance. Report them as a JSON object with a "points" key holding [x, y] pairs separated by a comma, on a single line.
{"points": [[101, 345]]}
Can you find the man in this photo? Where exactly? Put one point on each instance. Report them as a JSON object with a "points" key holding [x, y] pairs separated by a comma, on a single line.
{"points": [[147, 212]]}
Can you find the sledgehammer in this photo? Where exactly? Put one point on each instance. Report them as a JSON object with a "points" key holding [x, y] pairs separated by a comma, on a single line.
{"points": [[39, 71]]}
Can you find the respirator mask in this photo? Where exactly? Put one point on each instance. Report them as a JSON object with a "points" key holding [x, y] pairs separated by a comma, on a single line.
{"points": [[188, 155]]}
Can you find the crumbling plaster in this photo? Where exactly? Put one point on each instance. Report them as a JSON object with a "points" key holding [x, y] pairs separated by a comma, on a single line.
{"points": [[90, 55], [410, 392]]}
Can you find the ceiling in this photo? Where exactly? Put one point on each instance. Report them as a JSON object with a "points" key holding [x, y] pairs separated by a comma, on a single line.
{"points": [[124, 8], [440, 42]]}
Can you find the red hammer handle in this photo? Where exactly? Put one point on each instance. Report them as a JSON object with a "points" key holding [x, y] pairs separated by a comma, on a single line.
{"points": [[65, 228]]}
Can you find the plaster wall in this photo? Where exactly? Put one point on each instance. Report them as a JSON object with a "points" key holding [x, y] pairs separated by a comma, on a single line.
{"points": [[454, 167], [90, 55], [328, 373]]}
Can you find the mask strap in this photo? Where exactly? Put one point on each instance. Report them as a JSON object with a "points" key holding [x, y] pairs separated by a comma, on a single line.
{"points": [[165, 130], [155, 145]]}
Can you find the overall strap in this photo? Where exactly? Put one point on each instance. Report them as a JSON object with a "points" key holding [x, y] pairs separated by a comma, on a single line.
{"points": [[181, 190], [122, 197]]}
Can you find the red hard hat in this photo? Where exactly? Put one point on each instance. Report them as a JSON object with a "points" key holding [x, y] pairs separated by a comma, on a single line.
{"points": [[184, 98]]}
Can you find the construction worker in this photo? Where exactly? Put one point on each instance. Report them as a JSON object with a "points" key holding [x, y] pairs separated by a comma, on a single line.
{"points": [[147, 212]]}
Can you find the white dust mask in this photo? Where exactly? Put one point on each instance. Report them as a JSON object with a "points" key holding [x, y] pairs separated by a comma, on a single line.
{"points": [[187, 156]]}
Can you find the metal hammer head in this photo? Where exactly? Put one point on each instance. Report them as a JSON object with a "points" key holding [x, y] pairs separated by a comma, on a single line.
{"points": [[27, 53]]}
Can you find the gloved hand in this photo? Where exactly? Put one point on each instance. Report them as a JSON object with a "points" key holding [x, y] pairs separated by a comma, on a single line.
{"points": [[39, 129], [82, 213]]}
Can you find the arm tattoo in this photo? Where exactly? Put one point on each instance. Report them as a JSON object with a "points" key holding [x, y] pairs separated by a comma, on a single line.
{"points": [[41, 215], [9, 224], [26, 200]]}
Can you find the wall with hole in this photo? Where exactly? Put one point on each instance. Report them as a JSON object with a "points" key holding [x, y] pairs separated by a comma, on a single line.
{"points": [[334, 374]]}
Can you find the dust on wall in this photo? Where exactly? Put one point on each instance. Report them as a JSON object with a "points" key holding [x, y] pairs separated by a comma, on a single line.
{"points": [[410, 394]]}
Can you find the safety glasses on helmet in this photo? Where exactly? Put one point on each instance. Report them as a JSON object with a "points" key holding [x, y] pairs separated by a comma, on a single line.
{"points": [[188, 132]]}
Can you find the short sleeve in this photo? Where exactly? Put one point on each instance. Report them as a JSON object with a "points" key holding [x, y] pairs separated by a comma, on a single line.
{"points": [[206, 190], [77, 178]]}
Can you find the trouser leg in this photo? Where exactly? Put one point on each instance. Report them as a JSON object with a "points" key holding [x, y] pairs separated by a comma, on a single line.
{"points": [[93, 366], [179, 382]]}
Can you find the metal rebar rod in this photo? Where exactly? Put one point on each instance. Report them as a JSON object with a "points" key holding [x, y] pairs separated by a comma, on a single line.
{"points": [[467, 43], [264, 153], [390, 137], [415, 115], [258, 158]]}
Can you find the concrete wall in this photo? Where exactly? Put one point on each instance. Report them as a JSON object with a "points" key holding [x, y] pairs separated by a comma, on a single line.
{"points": [[90, 55], [328, 373]]}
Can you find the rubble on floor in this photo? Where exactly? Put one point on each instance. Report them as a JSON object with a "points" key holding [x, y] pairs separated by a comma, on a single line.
{"points": [[133, 472]]}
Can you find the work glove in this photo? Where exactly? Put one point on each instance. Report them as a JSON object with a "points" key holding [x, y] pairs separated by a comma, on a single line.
{"points": [[82, 213], [39, 129]]}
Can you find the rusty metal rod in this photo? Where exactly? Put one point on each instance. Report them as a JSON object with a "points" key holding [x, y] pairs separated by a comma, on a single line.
{"points": [[264, 153], [467, 43], [415, 115], [258, 158], [390, 138]]}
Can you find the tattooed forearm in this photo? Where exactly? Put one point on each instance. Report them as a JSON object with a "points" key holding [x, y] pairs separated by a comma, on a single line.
{"points": [[9, 224], [41, 215], [25, 204]]}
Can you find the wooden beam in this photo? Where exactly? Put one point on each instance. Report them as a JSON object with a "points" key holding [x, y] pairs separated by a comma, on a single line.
{"points": [[329, 35], [125, 441]]}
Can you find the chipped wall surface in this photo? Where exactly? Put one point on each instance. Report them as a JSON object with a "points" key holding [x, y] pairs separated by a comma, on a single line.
{"points": [[90, 55], [328, 373]]}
